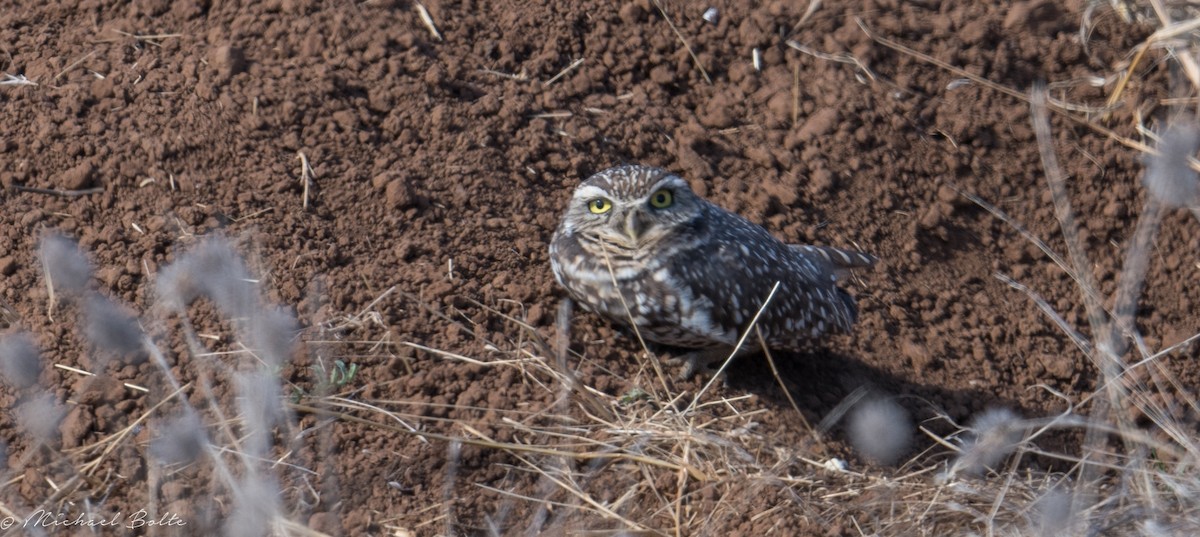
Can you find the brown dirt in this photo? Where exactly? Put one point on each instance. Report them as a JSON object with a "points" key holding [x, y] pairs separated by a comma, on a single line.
{"points": [[440, 170]]}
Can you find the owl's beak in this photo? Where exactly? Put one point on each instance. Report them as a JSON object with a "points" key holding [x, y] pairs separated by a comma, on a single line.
{"points": [[636, 224]]}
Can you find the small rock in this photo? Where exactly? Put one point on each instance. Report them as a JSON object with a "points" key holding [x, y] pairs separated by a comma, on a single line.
{"points": [[820, 181], [398, 194], [716, 117], [931, 218], [662, 75], [820, 123], [77, 178], [76, 426], [1059, 367], [98, 390], [228, 60], [761, 156], [916, 353], [102, 88], [1036, 16], [947, 194], [631, 13], [325, 523], [536, 315]]}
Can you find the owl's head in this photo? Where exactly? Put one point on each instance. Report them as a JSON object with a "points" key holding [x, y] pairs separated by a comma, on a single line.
{"points": [[631, 206]]}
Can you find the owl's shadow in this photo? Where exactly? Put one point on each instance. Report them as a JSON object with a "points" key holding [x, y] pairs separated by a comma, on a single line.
{"points": [[824, 384]]}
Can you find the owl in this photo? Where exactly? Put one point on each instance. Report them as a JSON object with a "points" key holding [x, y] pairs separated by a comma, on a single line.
{"points": [[638, 246]]}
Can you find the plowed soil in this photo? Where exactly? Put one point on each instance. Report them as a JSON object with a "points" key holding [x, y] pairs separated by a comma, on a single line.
{"points": [[416, 248]]}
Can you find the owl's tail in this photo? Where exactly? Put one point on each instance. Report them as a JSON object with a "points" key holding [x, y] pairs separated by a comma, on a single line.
{"points": [[850, 309], [839, 261]]}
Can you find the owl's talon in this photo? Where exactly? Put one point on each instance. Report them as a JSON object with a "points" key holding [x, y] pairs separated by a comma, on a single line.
{"points": [[700, 361]]}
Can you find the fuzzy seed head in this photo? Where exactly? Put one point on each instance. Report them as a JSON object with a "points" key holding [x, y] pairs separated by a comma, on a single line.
{"points": [[260, 404], [272, 333], [256, 509], [1053, 515], [995, 434], [881, 430], [111, 328], [66, 266], [19, 365], [40, 417], [213, 270], [181, 441], [1169, 176]]}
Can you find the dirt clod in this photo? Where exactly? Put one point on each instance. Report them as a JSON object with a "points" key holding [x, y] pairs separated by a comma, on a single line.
{"points": [[78, 177]]}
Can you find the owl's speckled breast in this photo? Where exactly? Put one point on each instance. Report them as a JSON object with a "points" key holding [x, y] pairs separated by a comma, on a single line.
{"points": [[641, 293]]}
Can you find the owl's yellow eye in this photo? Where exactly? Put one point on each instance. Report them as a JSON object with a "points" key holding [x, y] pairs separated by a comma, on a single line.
{"points": [[599, 206], [662, 199]]}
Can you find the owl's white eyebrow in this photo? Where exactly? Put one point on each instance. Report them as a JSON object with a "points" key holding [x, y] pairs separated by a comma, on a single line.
{"points": [[669, 180], [590, 192]]}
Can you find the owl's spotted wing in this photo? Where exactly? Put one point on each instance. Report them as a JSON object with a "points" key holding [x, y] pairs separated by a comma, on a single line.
{"points": [[731, 275]]}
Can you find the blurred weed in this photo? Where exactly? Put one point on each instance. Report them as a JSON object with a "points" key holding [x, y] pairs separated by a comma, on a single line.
{"points": [[338, 376]]}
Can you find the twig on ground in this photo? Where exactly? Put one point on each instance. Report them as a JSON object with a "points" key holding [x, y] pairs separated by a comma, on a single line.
{"points": [[148, 37], [59, 192], [564, 72], [427, 20], [16, 80], [686, 45], [73, 64], [844, 57], [306, 175], [152, 39]]}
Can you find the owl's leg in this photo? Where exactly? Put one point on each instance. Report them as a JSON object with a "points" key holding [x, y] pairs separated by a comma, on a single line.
{"points": [[702, 360]]}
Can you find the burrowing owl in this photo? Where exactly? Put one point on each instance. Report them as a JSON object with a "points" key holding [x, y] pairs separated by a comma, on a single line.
{"points": [[638, 246]]}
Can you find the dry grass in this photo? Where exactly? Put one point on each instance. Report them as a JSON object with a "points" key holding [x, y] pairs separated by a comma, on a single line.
{"points": [[658, 461], [242, 436], [1130, 480]]}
